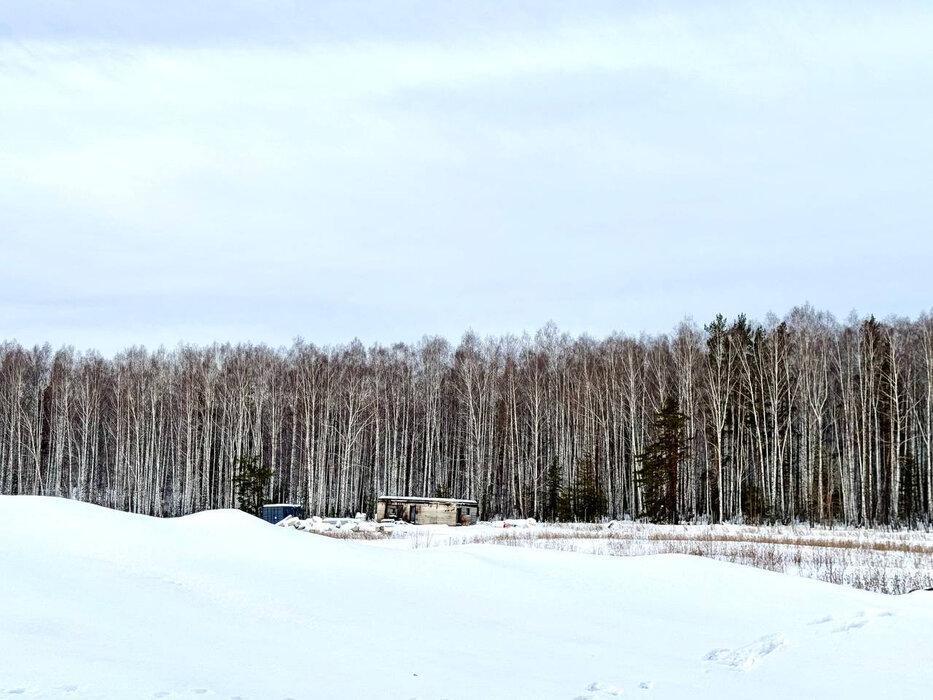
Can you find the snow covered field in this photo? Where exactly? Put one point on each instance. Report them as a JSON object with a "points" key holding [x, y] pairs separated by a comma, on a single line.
{"points": [[884, 561], [100, 604]]}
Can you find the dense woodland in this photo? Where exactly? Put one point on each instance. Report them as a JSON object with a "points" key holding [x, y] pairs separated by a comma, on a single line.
{"points": [[802, 418]]}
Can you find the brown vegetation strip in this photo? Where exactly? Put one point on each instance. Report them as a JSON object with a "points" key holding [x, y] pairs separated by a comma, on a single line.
{"points": [[908, 547]]}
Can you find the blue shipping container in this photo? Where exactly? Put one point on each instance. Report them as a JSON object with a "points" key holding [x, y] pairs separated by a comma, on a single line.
{"points": [[276, 512]]}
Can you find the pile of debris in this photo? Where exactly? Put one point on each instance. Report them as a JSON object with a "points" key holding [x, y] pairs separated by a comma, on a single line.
{"points": [[320, 525]]}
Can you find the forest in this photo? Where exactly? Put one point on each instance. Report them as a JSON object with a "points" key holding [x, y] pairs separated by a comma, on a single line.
{"points": [[801, 418]]}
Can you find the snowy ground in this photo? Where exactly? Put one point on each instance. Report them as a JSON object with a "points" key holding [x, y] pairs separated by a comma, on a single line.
{"points": [[880, 560], [100, 604]]}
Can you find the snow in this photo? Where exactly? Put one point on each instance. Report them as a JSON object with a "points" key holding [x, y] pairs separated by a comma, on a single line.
{"points": [[100, 604], [883, 560]]}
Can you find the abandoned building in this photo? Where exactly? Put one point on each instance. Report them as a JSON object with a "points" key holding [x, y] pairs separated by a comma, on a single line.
{"points": [[427, 511]]}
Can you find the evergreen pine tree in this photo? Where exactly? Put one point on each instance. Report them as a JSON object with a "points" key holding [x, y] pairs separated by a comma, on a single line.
{"points": [[658, 476], [552, 490], [582, 499], [589, 500], [250, 481]]}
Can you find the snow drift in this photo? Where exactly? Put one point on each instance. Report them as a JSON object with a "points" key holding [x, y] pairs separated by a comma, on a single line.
{"points": [[100, 604]]}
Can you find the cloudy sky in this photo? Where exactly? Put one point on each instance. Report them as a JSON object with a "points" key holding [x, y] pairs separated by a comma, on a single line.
{"points": [[257, 171]]}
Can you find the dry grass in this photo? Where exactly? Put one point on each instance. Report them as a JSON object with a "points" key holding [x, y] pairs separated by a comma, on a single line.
{"points": [[885, 565], [886, 561], [713, 536], [349, 535]]}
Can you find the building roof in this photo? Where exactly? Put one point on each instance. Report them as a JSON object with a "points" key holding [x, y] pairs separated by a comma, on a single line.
{"points": [[423, 499]]}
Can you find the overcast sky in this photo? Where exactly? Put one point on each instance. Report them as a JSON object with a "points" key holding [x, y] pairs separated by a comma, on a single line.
{"points": [[257, 171]]}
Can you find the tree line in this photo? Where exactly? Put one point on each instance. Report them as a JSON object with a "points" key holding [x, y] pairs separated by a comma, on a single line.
{"points": [[800, 418]]}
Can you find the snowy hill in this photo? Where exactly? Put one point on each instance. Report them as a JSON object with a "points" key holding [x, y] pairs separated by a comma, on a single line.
{"points": [[100, 604]]}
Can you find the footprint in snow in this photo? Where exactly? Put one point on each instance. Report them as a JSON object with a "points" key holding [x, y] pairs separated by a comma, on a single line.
{"points": [[861, 619], [852, 624], [847, 623], [69, 688], [747, 656], [16, 691], [822, 620], [597, 691]]}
